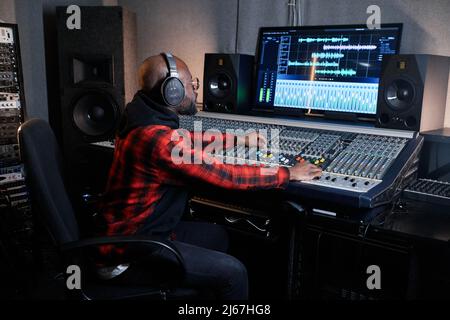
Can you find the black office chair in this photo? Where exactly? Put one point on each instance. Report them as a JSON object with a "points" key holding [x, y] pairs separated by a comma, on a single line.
{"points": [[44, 175]]}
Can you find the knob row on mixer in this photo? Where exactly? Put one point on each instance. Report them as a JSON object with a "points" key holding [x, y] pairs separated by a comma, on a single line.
{"points": [[244, 155], [351, 183]]}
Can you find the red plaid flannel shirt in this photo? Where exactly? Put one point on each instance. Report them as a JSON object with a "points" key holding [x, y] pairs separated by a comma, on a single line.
{"points": [[142, 165]]}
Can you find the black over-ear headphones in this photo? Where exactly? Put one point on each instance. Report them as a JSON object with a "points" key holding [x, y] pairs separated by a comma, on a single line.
{"points": [[172, 89]]}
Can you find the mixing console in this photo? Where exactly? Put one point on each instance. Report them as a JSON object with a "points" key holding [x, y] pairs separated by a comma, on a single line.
{"points": [[354, 162], [362, 167], [341, 155]]}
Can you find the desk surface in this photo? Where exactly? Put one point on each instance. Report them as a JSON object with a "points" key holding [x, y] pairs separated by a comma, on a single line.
{"points": [[419, 219], [439, 135]]}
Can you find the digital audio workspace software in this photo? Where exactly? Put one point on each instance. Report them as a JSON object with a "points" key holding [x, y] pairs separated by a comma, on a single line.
{"points": [[328, 69]]}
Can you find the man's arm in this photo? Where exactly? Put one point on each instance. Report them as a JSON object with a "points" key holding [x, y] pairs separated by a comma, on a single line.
{"points": [[229, 140], [210, 170]]}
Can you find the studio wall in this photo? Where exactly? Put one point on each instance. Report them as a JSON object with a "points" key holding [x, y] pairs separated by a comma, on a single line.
{"points": [[7, 11], [192, 28], [189, 29], [426, 24]]}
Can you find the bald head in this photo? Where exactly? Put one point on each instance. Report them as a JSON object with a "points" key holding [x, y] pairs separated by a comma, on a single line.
{"points": [[154, 70]]}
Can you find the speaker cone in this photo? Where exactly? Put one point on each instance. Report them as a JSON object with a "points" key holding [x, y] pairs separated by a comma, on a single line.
{"points": [[94, 114], [219, 85], [399, 94]]}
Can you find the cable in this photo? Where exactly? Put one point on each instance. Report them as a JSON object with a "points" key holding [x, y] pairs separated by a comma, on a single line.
{"points": [[255, 226], [291, 12], [299, 13], [234, 220], [368, 225], [294, 11], [391, 211]]}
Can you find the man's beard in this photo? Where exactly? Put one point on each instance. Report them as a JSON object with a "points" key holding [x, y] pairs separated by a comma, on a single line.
{"points": [[189, 110]]}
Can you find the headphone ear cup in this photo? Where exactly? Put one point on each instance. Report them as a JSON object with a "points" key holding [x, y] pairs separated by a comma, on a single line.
{"points": [[173, 91]]}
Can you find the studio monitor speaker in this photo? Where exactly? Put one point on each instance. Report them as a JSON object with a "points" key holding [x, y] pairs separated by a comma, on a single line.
{"points": [[97, 73], [413, 92], [227, 82]]}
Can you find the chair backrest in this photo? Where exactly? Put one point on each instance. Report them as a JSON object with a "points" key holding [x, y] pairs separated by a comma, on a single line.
{"points": [[44, 174]]}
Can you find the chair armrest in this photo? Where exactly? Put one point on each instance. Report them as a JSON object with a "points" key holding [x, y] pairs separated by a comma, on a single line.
{"points": [[146, 241]]}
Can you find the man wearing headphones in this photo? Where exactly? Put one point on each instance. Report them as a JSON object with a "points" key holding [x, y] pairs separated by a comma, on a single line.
{"points": [[147, 192]]}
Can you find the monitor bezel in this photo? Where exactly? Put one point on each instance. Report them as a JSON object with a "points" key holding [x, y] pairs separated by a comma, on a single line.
{"points": [[303, 112]]}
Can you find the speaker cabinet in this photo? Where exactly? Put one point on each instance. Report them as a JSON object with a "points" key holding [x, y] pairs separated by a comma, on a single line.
{"points": [[97, 73], [413, 92], [227, 82]]}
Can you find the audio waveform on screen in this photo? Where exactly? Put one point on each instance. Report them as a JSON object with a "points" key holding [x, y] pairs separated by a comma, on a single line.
{"points": [[339, 72], [350, 47], [333, 39], [313, 64], [326, 55], [332, 96]]}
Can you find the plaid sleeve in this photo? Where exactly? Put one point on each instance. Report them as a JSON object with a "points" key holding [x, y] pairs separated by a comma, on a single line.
{"points": [[180, 156], [228, 139]]}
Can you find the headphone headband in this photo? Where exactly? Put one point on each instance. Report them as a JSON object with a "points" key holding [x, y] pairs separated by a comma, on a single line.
{"points": [[171, 63]]}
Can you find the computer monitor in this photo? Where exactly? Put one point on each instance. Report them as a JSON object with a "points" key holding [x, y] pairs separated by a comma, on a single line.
{"points": [[326, 70]]}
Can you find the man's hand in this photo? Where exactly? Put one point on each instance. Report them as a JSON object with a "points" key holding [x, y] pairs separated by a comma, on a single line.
{"points": [[304, 171], [260, 139]]}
